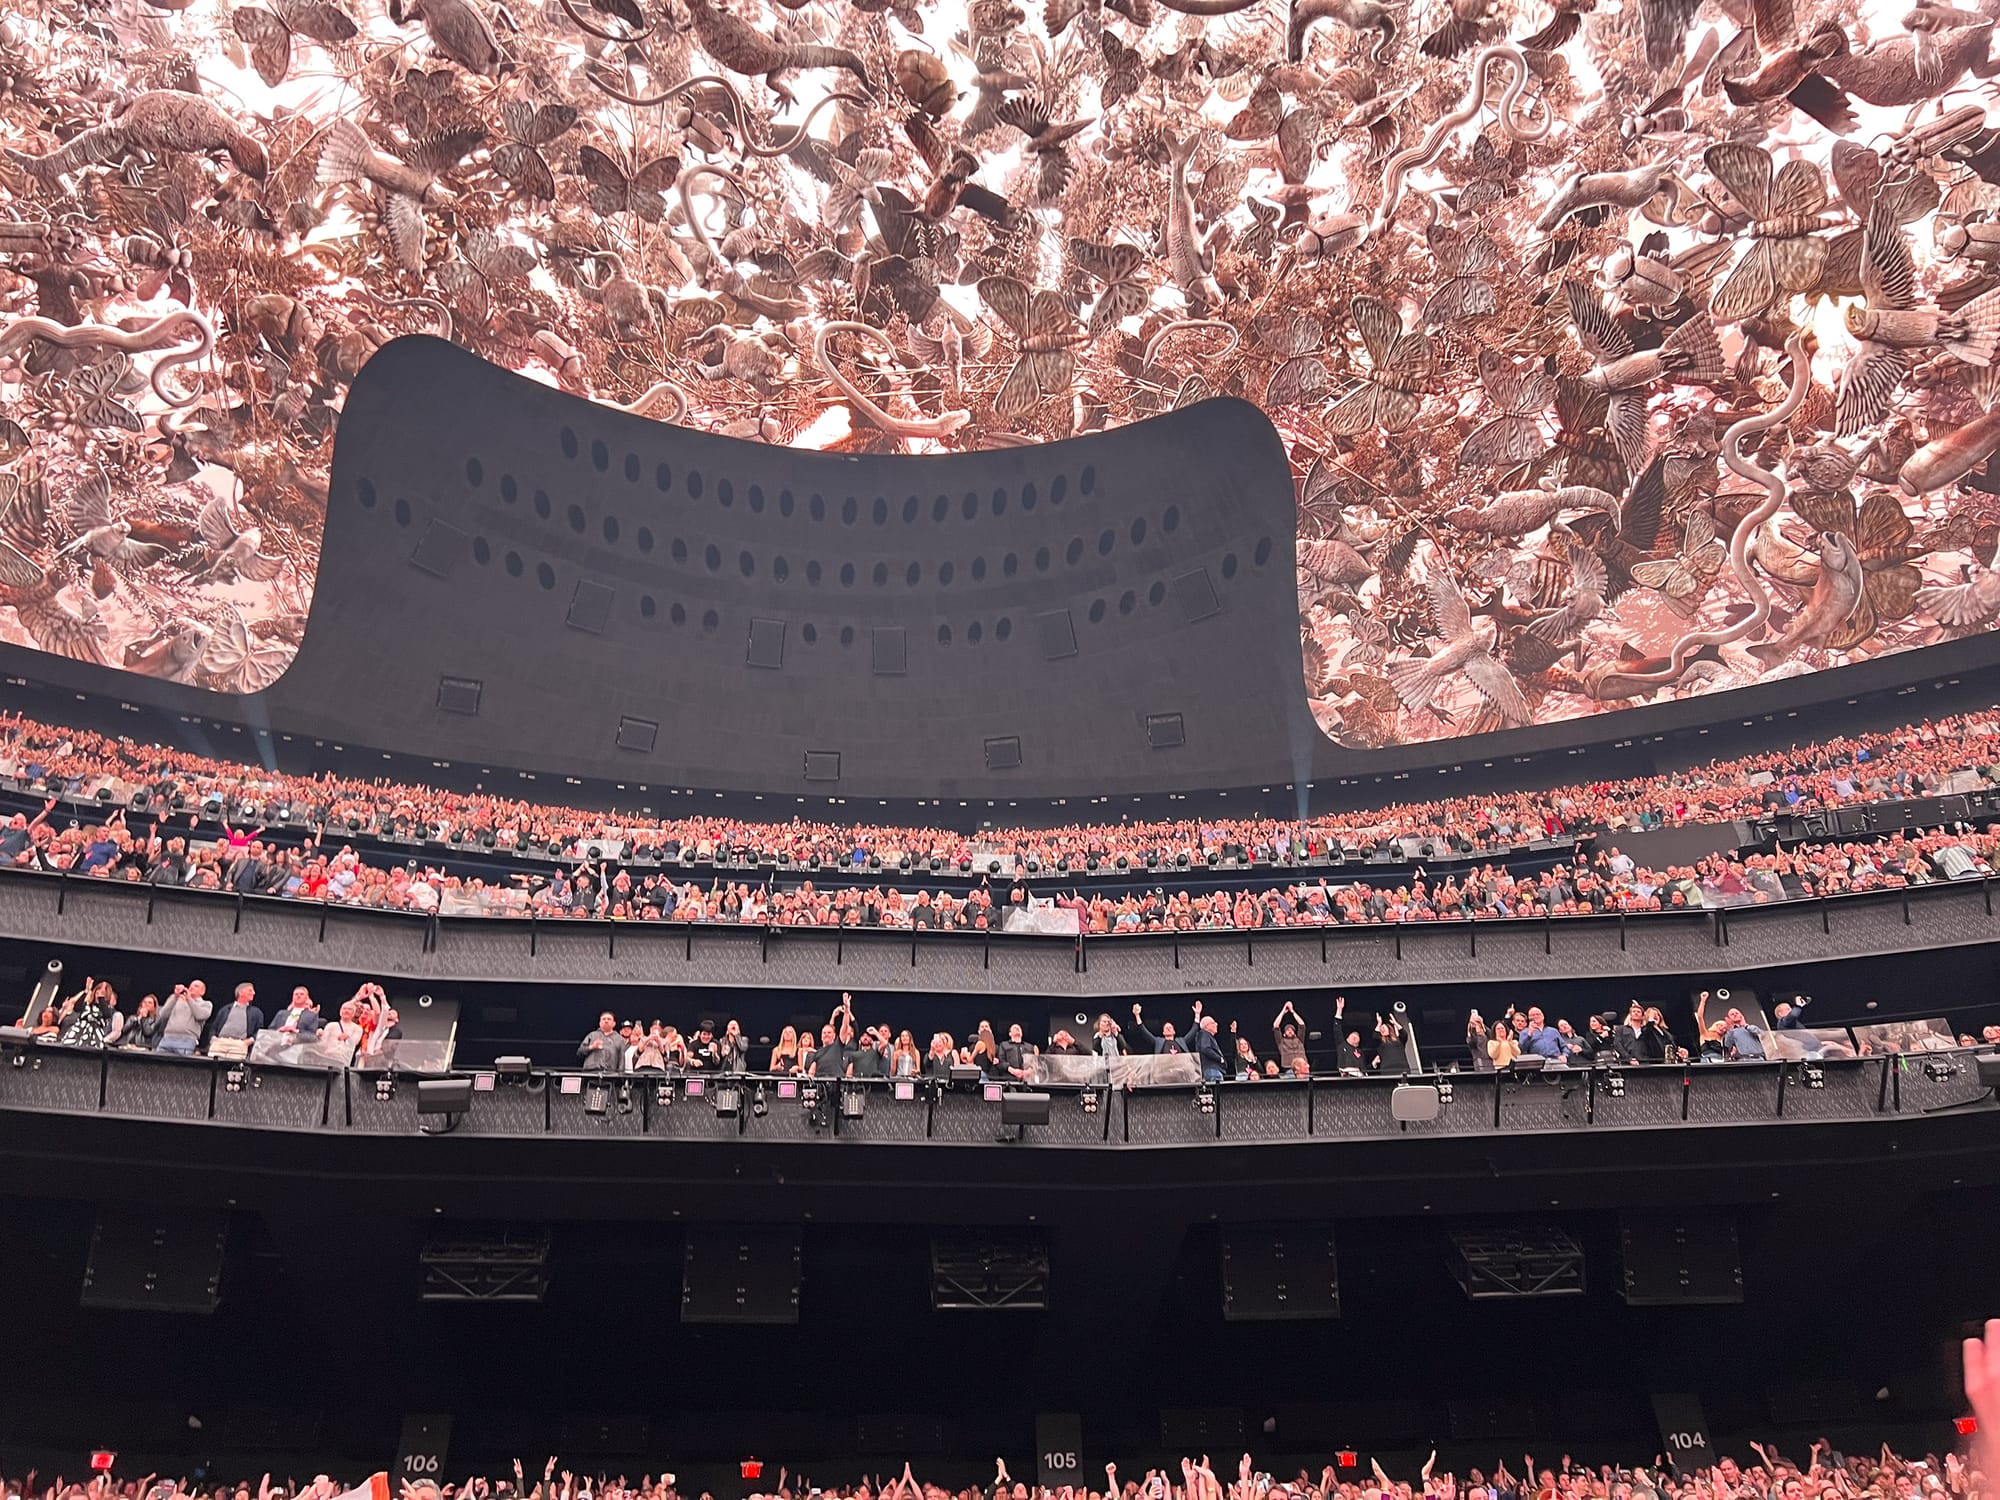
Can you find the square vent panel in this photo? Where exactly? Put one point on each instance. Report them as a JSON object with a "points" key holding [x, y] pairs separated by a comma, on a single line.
{"points": [[440, 549], [1195, 594], [637, 734], [1164, 731], [767, 643], [1057, 633], [822, 765], [459, 695], [1003, 754], [889, 650], [590, 606]]}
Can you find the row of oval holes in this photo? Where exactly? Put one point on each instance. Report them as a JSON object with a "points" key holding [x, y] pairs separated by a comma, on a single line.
{"points": [[725, 492], [545, 574], [746, 563], [913, 573], [816, 505]]}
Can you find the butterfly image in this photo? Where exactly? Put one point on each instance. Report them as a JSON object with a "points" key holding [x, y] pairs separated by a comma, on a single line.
{"points": [[1114, 265], [421, 94], [1785, 256], [1124, 70], [488, 260], [1462, 261], [1522, 393], [529, 127], [1044, 326], [1389, 396], [270, 32], [1684, 581], [94, 390], [613, 190], [1301, 375]]}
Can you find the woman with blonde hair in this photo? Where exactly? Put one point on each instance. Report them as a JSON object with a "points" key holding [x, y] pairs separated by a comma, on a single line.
{"points": [[785, 1056]]}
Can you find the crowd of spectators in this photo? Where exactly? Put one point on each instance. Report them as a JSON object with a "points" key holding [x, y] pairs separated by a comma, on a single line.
{"points": [[1825, 1473], [234, 860], [1910, 761], [188, 1022], [1363, 1042]]}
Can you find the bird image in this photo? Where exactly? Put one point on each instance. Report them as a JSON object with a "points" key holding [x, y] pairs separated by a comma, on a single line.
{"points": [[1461, 653], [233, 550], [99, 535]]}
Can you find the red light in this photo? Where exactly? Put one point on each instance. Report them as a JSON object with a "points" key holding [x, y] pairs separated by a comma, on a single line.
{"points": [[753, 1468], [1967, 1426], [102, 1460], [1347, 1458]]}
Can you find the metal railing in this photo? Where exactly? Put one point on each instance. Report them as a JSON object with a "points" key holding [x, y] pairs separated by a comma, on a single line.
{"points": [[754, 1108]]}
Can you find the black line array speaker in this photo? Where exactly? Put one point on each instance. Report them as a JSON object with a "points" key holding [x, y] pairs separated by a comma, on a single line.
{"points": [[742, 1274], [1201, 1429], [1272, 1274], [1679, 1257], [157, 1260]]}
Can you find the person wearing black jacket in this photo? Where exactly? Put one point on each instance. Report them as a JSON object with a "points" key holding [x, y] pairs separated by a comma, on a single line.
{"points": [[1392, 1047], [1346, 1040], [1600, 1042], [1166, 1044], [143, 1031], [1015, 1054], [1656, 1042], [171, 864], [1207, 1047]]}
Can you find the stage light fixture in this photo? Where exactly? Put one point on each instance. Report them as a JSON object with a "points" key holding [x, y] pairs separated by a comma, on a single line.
{"points": [[728, 1101], [1204, 1100], [904, 1089], [759, 1105], [385, 1088], [596, 1097], [852, 1103], [483, 1083]]}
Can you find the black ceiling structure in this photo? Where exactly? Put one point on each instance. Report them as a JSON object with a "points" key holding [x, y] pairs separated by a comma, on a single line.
{"points": [[517, 578]]}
